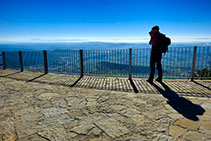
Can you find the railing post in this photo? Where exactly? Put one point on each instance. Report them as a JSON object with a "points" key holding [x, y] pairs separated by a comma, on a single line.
{"points": [[193, 63], [45, 61], [20, 60], [130, 62], [4, 60], [81, 63]]}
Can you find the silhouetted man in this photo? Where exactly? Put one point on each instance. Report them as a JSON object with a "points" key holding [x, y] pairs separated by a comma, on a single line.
{"points": [[156, 54]]}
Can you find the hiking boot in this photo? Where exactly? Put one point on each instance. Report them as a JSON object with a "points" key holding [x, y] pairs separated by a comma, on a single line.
{"points": [[159, 80], [150, 81]]}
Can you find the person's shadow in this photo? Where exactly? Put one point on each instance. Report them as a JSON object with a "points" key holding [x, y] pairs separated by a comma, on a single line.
{"points": [[180, 104]]}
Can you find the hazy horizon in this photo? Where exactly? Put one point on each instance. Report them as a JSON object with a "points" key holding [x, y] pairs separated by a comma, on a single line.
{"points": [[108, 40], [85, 45]]}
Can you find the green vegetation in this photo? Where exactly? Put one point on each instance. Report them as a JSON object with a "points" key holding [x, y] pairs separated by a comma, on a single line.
{"points": [[203, 74]]}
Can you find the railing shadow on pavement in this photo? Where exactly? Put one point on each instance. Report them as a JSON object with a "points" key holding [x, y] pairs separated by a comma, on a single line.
{"points": [[36, 78], [110, 83], [10, 74], [180, 104], [40, 78], [103, 83], [74, 83], [133, 85], [22, 79], [69, 82], [201, 85]]}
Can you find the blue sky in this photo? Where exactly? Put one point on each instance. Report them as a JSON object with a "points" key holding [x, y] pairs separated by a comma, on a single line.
{"points": [[103, 20]]}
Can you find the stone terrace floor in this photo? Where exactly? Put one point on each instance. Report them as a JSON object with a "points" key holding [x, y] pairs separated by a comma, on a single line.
{"points": [[34, 106]]}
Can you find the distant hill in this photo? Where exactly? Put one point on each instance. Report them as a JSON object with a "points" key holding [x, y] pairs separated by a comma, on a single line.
{"points": [[69, 46], [83, 45]]}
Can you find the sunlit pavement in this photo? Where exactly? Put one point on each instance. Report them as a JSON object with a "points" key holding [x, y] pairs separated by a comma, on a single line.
{"points": [[34, 106]]}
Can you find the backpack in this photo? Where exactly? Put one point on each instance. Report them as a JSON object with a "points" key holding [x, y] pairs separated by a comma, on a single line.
{"points": [[164, 43]]}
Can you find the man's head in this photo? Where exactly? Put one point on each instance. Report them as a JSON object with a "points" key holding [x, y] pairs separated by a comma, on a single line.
{"points": [[155, 29]]}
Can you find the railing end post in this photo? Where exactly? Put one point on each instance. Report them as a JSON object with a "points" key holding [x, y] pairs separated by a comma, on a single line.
{"points": [[45, 61], [81, 63], [20, 60], [193, 63], [130, 63], [4, 60]]}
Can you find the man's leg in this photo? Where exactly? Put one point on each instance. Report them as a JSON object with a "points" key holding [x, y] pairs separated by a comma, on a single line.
{"points": [[152, 68], [159, 68]]}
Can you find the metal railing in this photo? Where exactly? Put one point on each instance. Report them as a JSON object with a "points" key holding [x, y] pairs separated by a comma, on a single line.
{"points": [[33, 61], [106, 62], [180, 62], [64, 61], [203, 62], [11, 60], [1, 60]]}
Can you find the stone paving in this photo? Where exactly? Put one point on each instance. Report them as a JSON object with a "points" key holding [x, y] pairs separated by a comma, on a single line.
{"points": [[37, 111], [181, 87]]}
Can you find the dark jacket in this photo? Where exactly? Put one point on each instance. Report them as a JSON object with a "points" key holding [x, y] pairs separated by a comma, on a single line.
{"points": [[155, 42]]}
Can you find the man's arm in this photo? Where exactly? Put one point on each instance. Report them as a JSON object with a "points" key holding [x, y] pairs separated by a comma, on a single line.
{"points": [[150, 42], [154, 40]]}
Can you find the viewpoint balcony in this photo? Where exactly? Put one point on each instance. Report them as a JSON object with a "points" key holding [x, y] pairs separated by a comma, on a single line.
{"points": [[103, 95]]}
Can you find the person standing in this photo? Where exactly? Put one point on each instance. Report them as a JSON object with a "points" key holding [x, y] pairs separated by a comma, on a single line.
{"points": [[156, 54]]}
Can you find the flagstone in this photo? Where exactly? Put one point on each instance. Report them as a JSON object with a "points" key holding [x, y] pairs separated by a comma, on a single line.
{"points": [[189, 124], [176, 131], [54, 134], [205, 127], [112, 127]]}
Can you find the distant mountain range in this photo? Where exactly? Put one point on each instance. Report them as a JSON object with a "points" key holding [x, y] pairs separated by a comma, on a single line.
{"points": [[85, 46]]}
